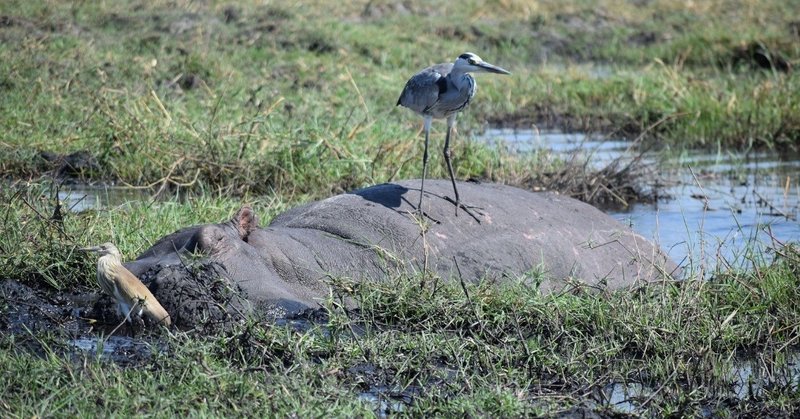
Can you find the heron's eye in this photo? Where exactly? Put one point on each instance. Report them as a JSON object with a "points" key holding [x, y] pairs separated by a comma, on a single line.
{"points": [[473, 61]]}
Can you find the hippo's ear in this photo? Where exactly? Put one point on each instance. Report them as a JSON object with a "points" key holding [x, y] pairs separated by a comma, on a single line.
{"points": [[245, 221]]}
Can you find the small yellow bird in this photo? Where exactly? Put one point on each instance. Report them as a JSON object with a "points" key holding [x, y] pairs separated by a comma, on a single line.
{"points": [[131, 294]]}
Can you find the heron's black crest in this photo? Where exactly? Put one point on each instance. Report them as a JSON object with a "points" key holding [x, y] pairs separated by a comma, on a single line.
{"points": [[465, 56]]}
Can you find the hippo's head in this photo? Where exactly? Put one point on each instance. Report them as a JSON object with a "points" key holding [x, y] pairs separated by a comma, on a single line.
{"points": [[213, 240], [212, 271]]}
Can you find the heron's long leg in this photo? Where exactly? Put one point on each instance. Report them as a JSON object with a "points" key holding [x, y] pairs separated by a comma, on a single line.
{"points": [[428, 120], [451, 120]]}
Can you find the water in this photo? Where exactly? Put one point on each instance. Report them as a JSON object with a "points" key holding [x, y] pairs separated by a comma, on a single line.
{"points": [[79, 198], [122, 350], [721, 206], [622, 397], [751, 377], [386, 401]]}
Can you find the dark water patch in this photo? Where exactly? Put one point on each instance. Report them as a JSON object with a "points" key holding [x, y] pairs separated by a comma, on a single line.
{"points": [[760, 56], [748, 380], [305, 322], [752, 377], [622, 397], [78, 164], [122, 350]]}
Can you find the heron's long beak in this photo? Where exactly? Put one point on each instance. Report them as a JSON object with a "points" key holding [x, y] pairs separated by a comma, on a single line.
{"points": [[491, 68], [90, 249]]}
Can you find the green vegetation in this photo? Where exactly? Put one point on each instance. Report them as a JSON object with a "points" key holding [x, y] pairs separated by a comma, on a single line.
{"points": [[281, 103], [505, 351], [300, 98]]}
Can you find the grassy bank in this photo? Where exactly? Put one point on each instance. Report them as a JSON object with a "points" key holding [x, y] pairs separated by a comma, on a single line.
{"points": [[506, 351], [725, 346], [300, 98]]}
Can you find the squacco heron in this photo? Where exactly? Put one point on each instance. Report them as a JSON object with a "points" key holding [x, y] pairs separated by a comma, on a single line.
{"points": [[131, 294]]}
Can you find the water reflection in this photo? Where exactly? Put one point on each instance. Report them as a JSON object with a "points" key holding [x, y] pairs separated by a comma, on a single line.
{"points": [[623, 397], [386, 401], [723, 208], [78, 198], [752, 377]]}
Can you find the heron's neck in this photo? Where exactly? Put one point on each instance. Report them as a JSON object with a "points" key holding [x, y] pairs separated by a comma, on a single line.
{"points": [[459, 78], [109, 262]]}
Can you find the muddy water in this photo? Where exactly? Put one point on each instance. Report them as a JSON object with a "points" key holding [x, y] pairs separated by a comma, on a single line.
{"points": [[752, 377], [123, 350], [749, 378], [720, 206]]}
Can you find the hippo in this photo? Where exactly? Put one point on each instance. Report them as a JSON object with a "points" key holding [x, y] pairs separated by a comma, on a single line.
{"points": [[376, 233]]}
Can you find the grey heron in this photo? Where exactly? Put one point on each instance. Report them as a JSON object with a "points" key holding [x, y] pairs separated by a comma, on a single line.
{"points": [[441, 91], [131, 295]]}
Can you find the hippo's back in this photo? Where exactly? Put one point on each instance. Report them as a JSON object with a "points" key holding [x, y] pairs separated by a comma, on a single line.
{"points": [[514, 232]]}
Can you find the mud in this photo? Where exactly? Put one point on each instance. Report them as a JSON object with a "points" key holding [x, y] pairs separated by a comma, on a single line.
{"points": [[28, 310], [73, 323], [759, 56], [204, 299], [79, 323]]}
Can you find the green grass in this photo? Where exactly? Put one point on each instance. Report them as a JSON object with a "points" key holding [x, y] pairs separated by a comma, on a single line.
{"points": [[40, 235], [191, 380], [507, 350], [300, 99]]}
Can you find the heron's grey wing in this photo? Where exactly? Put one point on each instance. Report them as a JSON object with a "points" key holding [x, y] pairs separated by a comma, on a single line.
{"points": [[423, 89]]}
